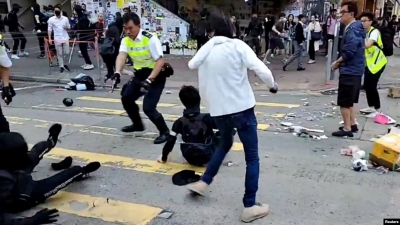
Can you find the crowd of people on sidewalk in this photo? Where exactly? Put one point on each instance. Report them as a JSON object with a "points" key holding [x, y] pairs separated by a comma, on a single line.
{"points": [[60, 31]]}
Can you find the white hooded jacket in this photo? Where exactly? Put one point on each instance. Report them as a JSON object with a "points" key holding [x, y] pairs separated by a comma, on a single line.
{"points": [[224, 85]]}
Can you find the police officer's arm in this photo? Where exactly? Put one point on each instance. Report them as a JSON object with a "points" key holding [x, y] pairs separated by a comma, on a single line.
{"points": [[169, 145], [372, 39], [156, 52], [122, 56]]}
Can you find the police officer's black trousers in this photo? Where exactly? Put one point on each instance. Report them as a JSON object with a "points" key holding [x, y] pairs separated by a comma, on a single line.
{"points": [[132, 92], [4, 125]]}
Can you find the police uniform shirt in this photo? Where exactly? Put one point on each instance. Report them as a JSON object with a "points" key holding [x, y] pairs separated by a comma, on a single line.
{"points": [[155, 47], [5, 60]]}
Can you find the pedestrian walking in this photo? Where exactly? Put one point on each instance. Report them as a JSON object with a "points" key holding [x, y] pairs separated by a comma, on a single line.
{"points": [[84, 34], [268, 24], [110, 49], [201, 27], [228, 96], [275, 38], [149, 81], [330, 27], [375, 64], [18, 37], [298, 43], [351, 65], [316, 34], [59, 26], [254, 32], [40, 28]]}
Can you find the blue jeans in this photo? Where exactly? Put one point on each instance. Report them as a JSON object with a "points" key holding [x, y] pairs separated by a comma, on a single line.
{"points": [[246, 125]]}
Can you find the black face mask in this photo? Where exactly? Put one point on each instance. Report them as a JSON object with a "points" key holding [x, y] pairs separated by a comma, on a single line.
{"points": [[57, 13]]}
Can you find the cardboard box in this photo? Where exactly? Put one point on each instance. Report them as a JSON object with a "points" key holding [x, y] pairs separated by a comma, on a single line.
{"points": [[386, 151], [394, 92]]}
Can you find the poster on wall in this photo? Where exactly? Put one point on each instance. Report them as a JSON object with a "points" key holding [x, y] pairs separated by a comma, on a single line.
{"points": [[293, 9]]}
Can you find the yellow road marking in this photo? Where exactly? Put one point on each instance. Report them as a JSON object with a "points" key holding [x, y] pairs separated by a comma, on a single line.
{"points": [[115, 112], [117, 100], [106, 131], [105, 209], [122, 162]]}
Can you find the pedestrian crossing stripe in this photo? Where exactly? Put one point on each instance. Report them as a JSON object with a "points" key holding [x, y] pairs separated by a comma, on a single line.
{"points": [[106, 209], [117, 100], [122, 162], [115, 112], [99, 130]]}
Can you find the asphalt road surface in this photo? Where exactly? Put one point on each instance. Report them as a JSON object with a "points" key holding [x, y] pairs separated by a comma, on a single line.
{"points": [[304, 180]]}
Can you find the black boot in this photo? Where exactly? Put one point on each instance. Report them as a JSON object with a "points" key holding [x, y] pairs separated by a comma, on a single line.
{"points": [[54, 132], [133, 128], [162, 127]]}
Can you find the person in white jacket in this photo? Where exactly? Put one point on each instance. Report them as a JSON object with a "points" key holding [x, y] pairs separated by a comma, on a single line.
{"points": [[225, 90], [315, 36]]}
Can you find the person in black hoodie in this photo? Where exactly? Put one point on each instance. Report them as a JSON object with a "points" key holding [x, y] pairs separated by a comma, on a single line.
{"points": [[13, 28], [18, 191], [40, 28], [254, 31], [110, 49], [196, 129], [268, 24], [84, 33], [201, 27]]}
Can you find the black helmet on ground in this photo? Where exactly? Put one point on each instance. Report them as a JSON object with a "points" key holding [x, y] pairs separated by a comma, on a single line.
{"points": [[68, 102]]}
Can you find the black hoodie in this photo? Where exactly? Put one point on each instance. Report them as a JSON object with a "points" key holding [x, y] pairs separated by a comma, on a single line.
{"points": [[255, 28], [12, 20], [83, 26], [14, 157], [38, 15]]}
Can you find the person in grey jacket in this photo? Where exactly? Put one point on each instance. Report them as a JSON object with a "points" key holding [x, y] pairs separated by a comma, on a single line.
{"points": [[351, 65]]}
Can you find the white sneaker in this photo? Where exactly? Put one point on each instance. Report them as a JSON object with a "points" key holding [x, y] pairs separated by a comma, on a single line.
{"points": [[311, 61], [14, 57], [25, 53], [368, 110], [267, 62], [79, 51], [372, 115], [83, 66], [88, 67]]}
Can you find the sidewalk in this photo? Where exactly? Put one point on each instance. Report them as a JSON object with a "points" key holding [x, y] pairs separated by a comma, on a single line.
{"points": [[313, 78]]}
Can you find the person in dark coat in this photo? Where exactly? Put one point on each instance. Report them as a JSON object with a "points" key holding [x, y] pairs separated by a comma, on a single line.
{"points": [[111, 45], [40, 28], [18, 191]]}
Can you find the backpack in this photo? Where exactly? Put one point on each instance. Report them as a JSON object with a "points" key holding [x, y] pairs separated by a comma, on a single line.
{"points": [[387, 41], [194, 130], [108, 47]]}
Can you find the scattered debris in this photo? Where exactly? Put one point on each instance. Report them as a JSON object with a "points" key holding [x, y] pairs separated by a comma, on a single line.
{"points": [[384, 119], [286, 124], [350, 151], [382, 170], [228, 164], [360, 165], [333, 103], [306, 104], [168, 92], [165, 214]]}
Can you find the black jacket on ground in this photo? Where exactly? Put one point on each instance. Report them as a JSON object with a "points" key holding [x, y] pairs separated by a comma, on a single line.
{"points": [[299, 31]]}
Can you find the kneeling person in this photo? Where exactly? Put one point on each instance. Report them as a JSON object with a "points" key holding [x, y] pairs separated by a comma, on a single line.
{"points": [[19, 192], [196, 128]]}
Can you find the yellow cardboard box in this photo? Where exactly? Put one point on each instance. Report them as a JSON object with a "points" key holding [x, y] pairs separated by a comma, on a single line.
{"points": [[394, 92], [386, 151]]}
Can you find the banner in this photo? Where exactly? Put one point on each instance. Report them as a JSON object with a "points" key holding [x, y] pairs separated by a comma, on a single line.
{"points": [[120, 4]]}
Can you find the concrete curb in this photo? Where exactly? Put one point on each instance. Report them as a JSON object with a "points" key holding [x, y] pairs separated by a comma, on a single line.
{"points": [[39, 79]]}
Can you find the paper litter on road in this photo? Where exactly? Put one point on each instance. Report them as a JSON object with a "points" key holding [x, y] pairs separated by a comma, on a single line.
{"points": [[350, 151], [360, 165]]}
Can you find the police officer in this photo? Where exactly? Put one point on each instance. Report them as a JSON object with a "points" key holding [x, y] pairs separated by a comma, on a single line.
{"points": [[8, 91], [146, 52]]}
